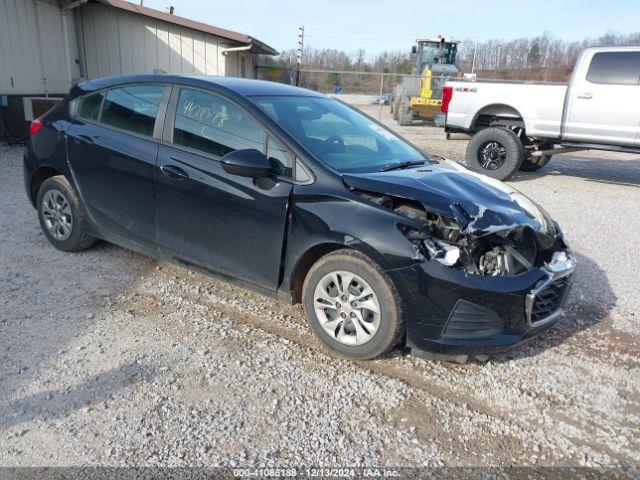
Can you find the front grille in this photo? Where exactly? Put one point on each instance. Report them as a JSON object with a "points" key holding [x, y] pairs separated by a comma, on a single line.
{"points": [[548, 300]]}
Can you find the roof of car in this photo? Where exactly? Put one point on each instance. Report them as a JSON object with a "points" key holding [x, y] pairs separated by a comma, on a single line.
{"points": [[241, 86]]}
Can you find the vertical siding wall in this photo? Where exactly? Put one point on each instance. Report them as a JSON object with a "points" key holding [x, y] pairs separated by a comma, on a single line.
{"points": [[123, 43], [32, 48]]}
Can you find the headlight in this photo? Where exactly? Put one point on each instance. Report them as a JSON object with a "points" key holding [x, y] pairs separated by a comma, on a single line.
{"points": [[445, 253]]}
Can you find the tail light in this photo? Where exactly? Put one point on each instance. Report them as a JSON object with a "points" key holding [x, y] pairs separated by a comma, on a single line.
{"points": [[447, 93], [35, 126]]}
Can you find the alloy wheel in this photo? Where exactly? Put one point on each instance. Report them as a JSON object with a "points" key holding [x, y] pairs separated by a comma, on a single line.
{"points": [[492, 155]]}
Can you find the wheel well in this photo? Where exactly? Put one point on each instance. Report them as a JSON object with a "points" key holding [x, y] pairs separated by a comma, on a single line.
{"points": [[497, 115], [39, 177], [305, 263]]}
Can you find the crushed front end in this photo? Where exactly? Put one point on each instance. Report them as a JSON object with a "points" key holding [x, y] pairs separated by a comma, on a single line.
{"points": [[451, 311], [494, 269]]}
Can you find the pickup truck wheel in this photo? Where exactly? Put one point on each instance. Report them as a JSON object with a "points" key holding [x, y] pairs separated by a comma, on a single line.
{"points": [[532, 164], [352, 305], [496, 152]]}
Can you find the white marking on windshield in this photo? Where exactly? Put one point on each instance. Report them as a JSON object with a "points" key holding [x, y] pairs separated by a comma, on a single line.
{"points": [[386, 134]]}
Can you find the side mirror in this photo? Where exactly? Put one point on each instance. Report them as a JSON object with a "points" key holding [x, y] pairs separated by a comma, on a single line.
{"points": [[246, 163], [414, 49]]}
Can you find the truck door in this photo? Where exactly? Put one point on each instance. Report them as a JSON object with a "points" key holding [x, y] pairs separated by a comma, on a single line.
{"points": [[604, 96]]}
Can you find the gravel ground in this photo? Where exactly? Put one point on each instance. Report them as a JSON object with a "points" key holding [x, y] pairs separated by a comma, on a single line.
{"points": [[108, 357]]}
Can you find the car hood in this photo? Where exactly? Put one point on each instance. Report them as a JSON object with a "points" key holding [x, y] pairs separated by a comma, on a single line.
{"points": [[480, 205]]}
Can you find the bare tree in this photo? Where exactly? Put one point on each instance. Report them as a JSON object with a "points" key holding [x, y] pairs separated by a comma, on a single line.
{"points": [[540, 58]]}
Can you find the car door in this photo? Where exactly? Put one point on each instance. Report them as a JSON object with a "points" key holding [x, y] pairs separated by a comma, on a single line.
{"points": [[604, 96], [231, 224], [112, 154]]}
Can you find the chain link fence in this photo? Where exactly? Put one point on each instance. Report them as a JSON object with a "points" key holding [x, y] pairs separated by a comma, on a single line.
{"points": [[356, 88], [368, 88]]}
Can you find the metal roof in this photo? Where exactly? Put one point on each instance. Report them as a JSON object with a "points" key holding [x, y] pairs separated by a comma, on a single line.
{"points": [[256, 45], [438, 39]]}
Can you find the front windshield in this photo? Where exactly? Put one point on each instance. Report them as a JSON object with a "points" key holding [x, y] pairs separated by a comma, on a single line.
{"points": [[436, 52], [339, 135]]}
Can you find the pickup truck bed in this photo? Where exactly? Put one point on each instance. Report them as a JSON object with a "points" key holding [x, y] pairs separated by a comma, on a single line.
{"points": [[538, 105]]}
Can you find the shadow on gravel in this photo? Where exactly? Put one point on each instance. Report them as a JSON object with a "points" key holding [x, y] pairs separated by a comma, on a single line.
{"points": [[56, 404], [613, 172], [50, 301], [589, 303]]}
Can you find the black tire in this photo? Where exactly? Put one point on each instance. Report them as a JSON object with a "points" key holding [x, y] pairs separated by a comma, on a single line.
{"points": [[508, 160], [391, 323], [405, 116], [74, 235], [533, 164]]}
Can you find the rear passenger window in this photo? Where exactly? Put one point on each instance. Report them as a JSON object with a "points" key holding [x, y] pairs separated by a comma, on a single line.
{"points": [[620, 68], [132, 108], [90, 106], [213, 125]]}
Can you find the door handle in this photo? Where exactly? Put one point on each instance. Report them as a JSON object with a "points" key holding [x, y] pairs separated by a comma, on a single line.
{"points": [[585, 95], [174, 172]]}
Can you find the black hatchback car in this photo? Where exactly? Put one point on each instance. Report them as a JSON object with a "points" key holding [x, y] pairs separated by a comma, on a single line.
{"points": [[306, 199]]}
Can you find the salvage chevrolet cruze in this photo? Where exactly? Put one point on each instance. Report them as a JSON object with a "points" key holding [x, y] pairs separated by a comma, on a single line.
{"points": [[303, 198]]}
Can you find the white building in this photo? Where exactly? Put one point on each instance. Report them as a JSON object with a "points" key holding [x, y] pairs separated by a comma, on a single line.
{"points": [[46, 45]]}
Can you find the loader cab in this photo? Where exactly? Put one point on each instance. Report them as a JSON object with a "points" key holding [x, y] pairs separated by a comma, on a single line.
{"points": [[431, 52]]}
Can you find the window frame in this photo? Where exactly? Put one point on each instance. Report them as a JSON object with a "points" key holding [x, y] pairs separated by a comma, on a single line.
{"points": [[169, 124], [160, 115], [80, 101], [268, 137], [605, 53]]}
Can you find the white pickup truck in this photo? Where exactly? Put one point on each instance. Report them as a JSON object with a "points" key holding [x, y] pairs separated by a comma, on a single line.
{"points": [[520, 125]]}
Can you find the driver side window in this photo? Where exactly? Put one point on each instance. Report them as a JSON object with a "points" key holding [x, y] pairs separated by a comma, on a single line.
{"points": [[213, 125]]}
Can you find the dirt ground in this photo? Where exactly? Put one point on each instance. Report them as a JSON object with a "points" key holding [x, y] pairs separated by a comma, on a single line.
{"points": [[108, 357]]}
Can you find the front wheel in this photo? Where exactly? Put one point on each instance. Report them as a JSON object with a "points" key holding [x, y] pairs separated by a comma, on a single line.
{"points": [[533, 164], [352, 305], [496, 152]]}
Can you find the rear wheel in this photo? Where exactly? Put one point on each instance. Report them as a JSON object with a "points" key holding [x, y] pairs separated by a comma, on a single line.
{"points": [[394, 108], [405, 115], [531, 163], [496, 152], [61, 217], [352, 305]]}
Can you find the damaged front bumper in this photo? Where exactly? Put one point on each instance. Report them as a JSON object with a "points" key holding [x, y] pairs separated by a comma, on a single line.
{"points": [[451, 312]]}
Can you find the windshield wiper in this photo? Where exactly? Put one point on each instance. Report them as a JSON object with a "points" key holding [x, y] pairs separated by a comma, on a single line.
{"points": [[398, 166]]}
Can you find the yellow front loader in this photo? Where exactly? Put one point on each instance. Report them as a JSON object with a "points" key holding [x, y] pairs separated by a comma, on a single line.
{"points": [[419, 98]]}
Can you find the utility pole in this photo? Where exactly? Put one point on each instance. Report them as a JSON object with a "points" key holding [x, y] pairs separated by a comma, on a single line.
{"points": [[475, 52], [299, 53]]}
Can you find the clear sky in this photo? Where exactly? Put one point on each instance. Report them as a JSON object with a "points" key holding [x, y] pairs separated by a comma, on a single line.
{"points": [[386, 25]]}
